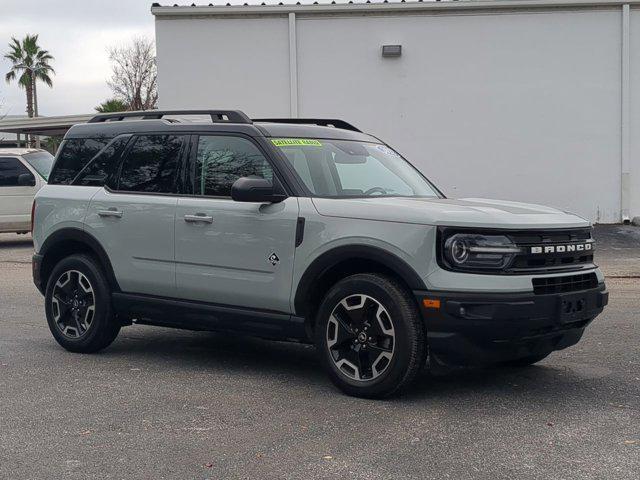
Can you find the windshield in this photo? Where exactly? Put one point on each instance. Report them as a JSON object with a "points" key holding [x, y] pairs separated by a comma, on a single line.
{"points": [[41, 162], [345, 168]]}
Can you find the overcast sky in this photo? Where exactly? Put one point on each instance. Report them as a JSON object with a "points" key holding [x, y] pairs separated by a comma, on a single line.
{"points": [[77, 33]]}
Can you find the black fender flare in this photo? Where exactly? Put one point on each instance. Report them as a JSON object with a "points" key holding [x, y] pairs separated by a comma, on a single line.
{"points": [[337, 255], [60, 237]]}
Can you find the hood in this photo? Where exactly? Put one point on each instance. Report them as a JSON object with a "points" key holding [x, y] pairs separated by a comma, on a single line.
{"points": [[464, 212]]}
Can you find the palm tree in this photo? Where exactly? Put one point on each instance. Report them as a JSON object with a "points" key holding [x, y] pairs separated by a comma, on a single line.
{"points": [[112, 105], [41, 69], [30, 63], [21, 67]]}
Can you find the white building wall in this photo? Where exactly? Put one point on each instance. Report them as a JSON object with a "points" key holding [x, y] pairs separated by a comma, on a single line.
{"points": [[239, 63], [634, 111], [520, 104]]}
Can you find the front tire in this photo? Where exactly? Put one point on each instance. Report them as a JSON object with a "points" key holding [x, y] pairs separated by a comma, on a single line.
{"points": [[369, 336], [78, 305]]}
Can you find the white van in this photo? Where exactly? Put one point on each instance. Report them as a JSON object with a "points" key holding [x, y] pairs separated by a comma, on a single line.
{"points": [[23, 171]]}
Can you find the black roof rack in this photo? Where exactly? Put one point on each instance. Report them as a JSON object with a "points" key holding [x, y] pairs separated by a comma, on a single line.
{"points": [[217, 116], [323, 122]]}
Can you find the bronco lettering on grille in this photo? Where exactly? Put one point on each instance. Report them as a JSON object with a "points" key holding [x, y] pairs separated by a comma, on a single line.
{"points": [[573, 247]]}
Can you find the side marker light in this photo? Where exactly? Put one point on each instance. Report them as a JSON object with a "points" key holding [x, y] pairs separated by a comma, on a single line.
{"points": [[431, 303]]}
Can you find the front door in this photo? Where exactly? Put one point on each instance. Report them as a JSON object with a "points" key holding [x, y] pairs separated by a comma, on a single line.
{"points": [[15, 199], [233, 253]]}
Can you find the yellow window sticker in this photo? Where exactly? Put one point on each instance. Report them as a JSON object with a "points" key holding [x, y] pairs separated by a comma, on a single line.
{"points": [[295, 142]]}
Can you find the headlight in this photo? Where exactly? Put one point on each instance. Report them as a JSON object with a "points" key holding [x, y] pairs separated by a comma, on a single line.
{"points": [[469, 251]]}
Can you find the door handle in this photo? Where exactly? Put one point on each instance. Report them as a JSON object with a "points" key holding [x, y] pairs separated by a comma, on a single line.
{"points": [[198, 217], [110, 212]]}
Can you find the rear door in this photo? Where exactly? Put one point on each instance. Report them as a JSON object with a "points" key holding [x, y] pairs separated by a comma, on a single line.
{"points": [[227, 252], [16, 199], [133, 216]]}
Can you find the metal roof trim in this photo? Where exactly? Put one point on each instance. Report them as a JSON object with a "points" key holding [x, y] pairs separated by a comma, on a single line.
{"points": [[395, 7]]}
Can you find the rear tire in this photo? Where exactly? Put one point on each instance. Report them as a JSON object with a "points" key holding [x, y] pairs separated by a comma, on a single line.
{"points": [[78, 305], [369, 335]]}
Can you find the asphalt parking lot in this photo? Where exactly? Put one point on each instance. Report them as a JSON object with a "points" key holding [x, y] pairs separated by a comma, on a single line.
{"points": [[168, 404]]}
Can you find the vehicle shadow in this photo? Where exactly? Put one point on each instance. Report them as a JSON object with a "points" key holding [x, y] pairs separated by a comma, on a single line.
{"points": [[554, 384], [200, 351], [247, 356]]}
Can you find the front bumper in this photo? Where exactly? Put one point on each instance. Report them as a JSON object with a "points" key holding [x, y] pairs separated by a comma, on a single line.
{"points": [[484, 328]]}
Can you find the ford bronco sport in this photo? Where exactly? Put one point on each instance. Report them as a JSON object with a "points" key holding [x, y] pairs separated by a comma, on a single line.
{"points": [[306, 230]]}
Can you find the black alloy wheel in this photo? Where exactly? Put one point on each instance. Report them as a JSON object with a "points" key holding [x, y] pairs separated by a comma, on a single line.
{"points": [[73, 304], [370, 336], [78, 305], [360, 337]]}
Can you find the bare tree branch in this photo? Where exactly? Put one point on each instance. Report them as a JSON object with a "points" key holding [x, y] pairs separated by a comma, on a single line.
{"points": [[134, 74]]}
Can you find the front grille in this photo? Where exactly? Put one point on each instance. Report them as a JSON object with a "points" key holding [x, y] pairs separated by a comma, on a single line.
{"points": [[556, 261], [570, 283]]}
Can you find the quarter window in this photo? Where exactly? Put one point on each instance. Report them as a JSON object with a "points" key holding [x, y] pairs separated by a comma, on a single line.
{"points": [[74, 154], [152, 164], [10, 169], [221, 160], [102, 168]]}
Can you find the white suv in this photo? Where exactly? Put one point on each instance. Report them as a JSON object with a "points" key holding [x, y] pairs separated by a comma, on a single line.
{"points": [[23, 171], [306, 230]]}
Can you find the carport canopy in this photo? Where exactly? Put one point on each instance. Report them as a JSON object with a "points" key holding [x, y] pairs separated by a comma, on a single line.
{"points": [[45, 126]]}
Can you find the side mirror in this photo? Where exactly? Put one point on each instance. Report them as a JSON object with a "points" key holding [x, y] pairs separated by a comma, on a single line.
{"points": [[256, 189], [26, 180]]}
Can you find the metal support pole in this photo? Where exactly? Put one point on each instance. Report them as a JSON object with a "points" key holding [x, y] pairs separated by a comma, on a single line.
{"points": [[625, 104], [293, 67]]}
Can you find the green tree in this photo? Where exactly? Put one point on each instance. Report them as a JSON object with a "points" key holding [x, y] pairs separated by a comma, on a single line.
{"points": [[30, 64], [112, 105], [52, 143]]}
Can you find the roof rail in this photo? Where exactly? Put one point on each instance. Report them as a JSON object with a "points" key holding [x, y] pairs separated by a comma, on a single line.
{"points": [[323, 122], [217, 116]]}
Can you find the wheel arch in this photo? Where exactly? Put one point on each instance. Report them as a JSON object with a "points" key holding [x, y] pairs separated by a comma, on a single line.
{"points": [[69, 241], [343, 261]]}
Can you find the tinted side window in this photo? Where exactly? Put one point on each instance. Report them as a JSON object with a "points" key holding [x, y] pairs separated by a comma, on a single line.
{"points": [[220, 161], [10, 169], [152, 164], [103, 167], [74, 154]]}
